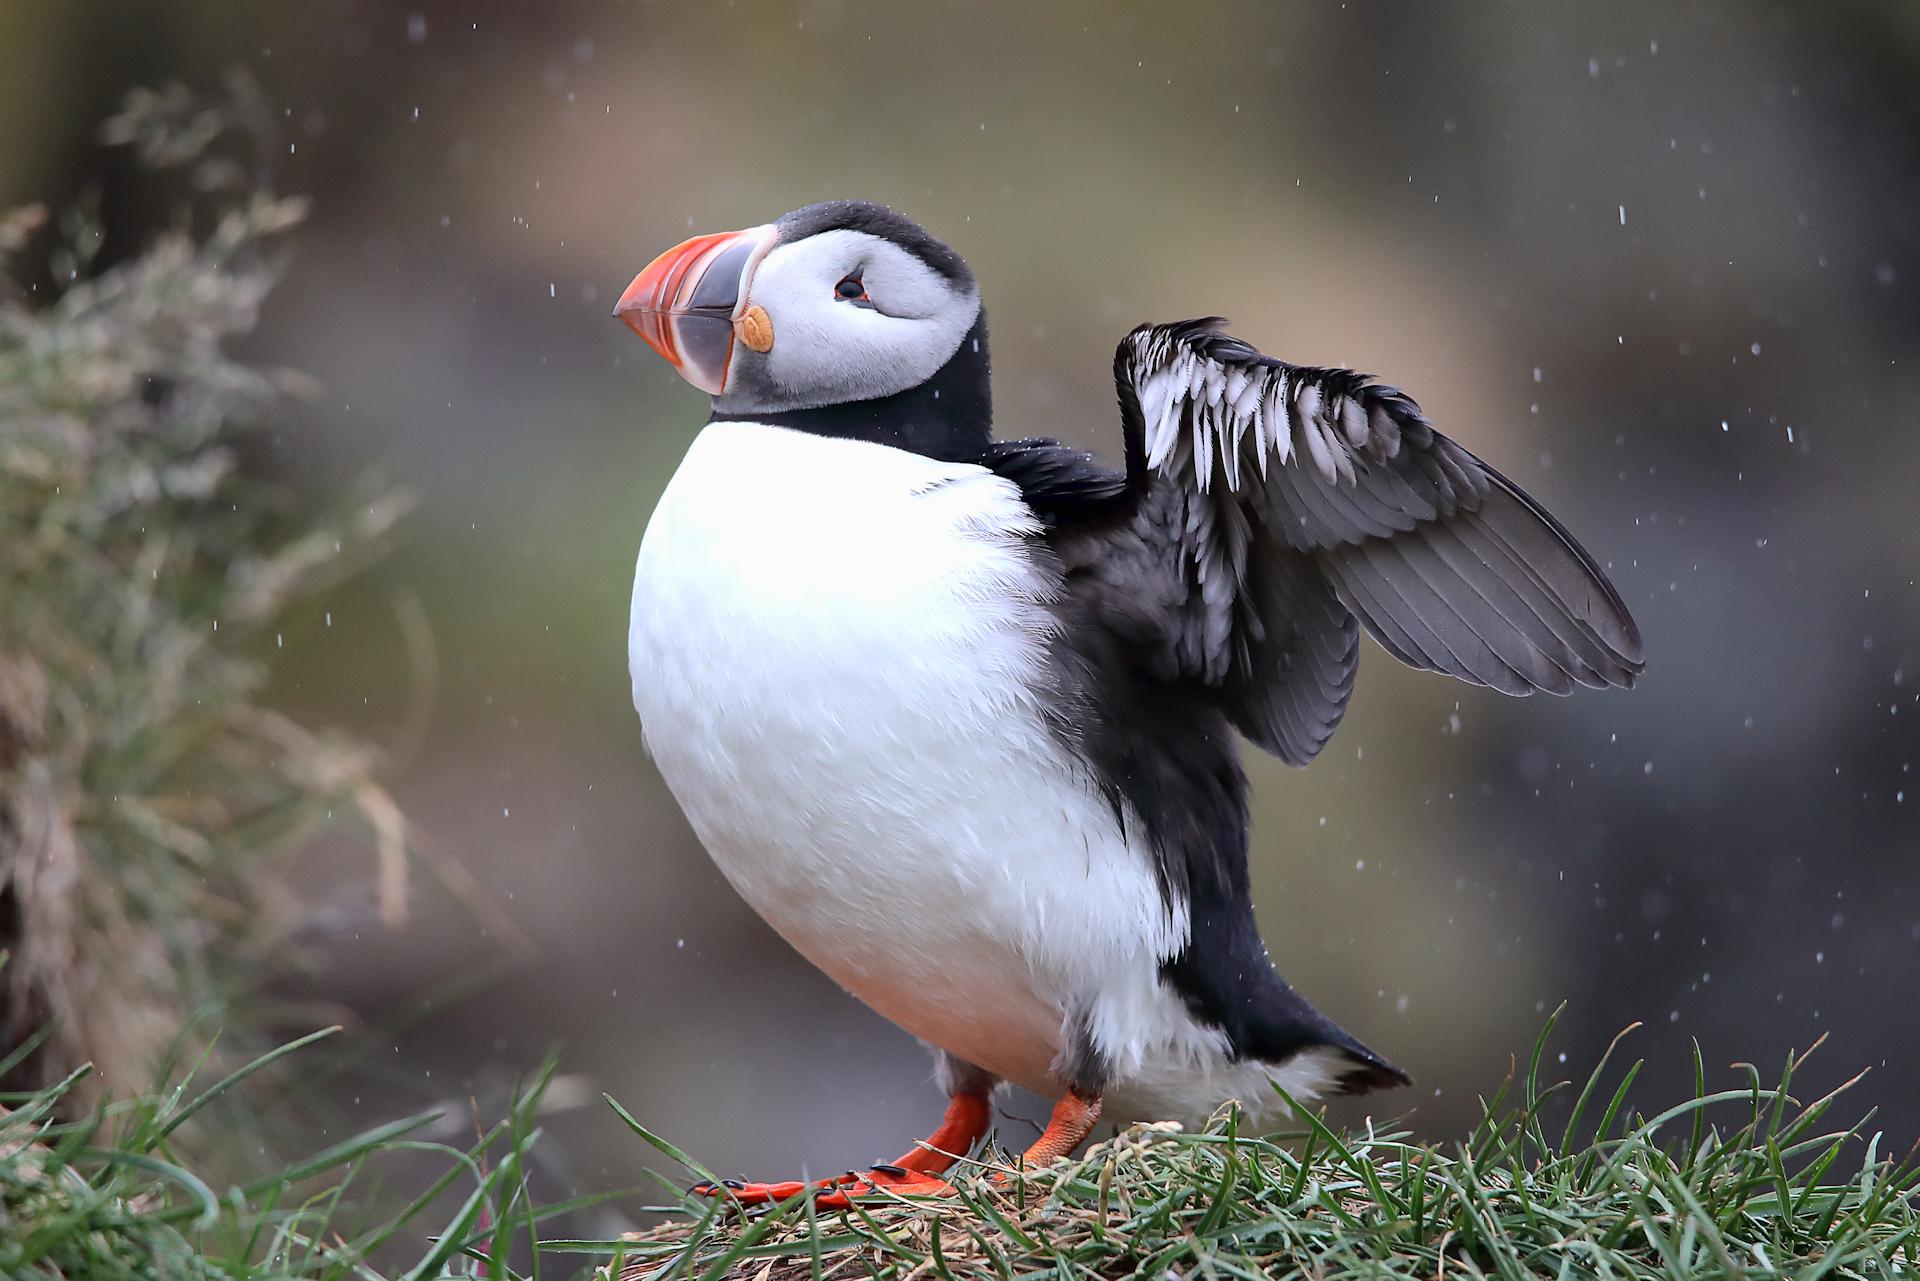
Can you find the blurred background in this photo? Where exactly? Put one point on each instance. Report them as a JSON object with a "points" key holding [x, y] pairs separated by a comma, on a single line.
{"points": [[1660, 264]]}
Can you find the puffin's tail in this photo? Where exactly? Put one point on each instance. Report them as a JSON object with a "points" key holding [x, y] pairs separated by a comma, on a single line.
{"points": [[1363, 1071], [1232, 985]]}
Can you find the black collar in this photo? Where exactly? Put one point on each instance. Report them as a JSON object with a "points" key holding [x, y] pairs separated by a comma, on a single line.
{"points": [[949, 417]]}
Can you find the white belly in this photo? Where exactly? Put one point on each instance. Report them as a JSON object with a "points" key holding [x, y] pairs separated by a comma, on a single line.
{"points": [[834, 651]]}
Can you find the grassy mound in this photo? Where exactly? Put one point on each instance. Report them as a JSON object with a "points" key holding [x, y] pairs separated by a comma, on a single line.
{"points": [[1744, 1182]]}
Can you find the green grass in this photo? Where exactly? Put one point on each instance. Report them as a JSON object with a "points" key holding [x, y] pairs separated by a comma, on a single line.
{"points": [[1742, 1182], [109, 1196]]}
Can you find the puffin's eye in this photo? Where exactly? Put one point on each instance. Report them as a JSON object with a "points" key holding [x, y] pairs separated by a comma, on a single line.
{"points": [[850, 290]]}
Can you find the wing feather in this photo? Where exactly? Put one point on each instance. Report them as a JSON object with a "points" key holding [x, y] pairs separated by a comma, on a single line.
{"points": [[1314, 497]]}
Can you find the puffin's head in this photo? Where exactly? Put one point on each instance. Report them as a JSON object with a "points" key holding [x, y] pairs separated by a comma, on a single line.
{"points": [[834, 304]]}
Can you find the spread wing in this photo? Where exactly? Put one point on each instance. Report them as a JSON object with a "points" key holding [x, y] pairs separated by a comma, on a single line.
{"points": [[1302, 499]]}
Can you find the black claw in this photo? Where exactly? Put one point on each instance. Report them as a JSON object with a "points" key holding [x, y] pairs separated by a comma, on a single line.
{"points": [[706, 1188], [887, 1167]]}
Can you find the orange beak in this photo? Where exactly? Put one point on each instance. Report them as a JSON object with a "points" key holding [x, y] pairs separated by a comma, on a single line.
{"points": [[684, 304]]}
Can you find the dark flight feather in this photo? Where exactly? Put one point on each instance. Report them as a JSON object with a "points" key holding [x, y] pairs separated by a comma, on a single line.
{"points": [[1449, 564]]}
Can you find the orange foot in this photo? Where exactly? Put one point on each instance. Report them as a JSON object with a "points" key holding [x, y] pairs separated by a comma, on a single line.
{"points": [[1073, 1119], [833, 1194], [915, 1174]]}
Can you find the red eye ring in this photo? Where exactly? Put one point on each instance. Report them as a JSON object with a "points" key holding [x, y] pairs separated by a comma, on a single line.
{"points": [[850, 289]]}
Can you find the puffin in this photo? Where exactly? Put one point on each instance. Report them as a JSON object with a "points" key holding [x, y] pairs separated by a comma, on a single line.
{"points": [[959, 716]]}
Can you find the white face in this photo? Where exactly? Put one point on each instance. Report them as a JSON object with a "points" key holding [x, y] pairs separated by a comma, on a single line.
{"points": [[833, 345]]}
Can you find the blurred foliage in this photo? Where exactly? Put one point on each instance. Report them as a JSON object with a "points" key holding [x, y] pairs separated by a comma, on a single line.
{"points": [[148, 801]]}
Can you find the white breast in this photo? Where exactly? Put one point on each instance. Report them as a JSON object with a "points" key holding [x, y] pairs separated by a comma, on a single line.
{"points": [[835, 649]]}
